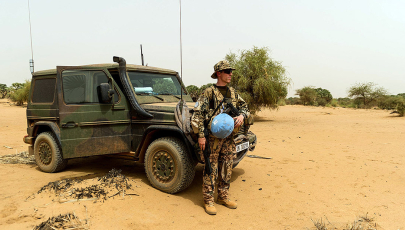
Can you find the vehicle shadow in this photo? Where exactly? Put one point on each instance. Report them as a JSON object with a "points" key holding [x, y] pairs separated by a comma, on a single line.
{"points": [[98, 166]]}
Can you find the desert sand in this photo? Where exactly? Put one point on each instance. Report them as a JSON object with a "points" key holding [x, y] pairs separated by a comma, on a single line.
{"points": [[334, 164]]}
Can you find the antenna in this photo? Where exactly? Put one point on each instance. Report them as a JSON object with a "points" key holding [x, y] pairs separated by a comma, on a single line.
{"points": [[142, 55], [181, 59], [32, 51]]}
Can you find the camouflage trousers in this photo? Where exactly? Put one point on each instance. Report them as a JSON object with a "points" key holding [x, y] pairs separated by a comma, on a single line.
{"points": [[221, 159]]}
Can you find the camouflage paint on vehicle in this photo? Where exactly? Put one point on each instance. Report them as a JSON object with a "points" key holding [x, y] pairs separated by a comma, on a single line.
{"points": [[98, 129], [84, 126]]}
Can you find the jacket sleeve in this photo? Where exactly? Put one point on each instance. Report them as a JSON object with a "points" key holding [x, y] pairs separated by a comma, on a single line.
{"points": [[201, 110]]}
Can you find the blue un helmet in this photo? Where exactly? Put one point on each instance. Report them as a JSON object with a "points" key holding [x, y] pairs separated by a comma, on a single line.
{"points": [[222, 125]]}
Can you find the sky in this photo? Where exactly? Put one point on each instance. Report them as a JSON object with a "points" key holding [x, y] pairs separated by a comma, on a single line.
{"points": [[321, 43]]}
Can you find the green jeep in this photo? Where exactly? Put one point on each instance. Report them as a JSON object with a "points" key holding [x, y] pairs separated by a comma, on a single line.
{"points": [[121, 110]]}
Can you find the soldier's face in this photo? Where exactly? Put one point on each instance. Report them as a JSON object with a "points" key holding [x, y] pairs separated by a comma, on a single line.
{"points": [[225, 76]]}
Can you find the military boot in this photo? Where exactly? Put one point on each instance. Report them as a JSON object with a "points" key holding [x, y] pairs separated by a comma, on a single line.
{"points": [[227, 203], [210, 209]]}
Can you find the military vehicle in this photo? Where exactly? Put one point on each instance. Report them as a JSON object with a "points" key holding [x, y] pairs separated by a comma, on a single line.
{"points": [[118, 110]]}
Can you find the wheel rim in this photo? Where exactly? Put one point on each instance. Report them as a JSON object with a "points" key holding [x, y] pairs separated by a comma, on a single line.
{"points": [[45, 153], [163, 166]]}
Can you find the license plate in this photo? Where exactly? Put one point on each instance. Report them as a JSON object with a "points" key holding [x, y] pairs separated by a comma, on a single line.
{"points": [[242, 146]]}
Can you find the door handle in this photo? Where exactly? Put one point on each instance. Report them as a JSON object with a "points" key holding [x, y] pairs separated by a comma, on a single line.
{"points": [[70, 124]]}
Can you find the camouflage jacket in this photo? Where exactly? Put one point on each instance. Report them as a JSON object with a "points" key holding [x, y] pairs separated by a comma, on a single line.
{"points": [[202, 110]]}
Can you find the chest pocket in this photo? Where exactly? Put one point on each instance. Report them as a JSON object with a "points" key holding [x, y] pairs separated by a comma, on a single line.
{"points": [[217, 97]]}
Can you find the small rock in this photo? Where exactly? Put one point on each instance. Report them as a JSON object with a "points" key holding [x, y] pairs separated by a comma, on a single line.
{"points": [[260, 188]]}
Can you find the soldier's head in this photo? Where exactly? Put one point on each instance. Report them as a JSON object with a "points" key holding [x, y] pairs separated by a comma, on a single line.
{"points": [[223, 72]]}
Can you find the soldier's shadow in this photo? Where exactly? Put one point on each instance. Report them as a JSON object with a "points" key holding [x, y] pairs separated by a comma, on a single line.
{"points": [[194, 191]]}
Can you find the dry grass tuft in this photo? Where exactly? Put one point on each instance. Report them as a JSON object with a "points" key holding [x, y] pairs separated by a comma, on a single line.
{"points": [[70, 190], [67, 221], [18, 158], [319, 225], [362, 223]]}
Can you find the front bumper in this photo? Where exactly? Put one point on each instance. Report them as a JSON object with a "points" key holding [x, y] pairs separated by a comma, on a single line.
{"points": [[30, 141], [251, 137]]}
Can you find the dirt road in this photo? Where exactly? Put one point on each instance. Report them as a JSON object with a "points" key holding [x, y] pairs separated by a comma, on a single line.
{"points": [[335, 164]]}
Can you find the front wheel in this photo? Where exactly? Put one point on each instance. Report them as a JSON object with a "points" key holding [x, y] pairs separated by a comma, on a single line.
{"points": [[48, 154], [168, 166]]}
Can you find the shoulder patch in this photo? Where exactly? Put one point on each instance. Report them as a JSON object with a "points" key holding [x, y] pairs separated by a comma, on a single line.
{"points": [[196, 104]]}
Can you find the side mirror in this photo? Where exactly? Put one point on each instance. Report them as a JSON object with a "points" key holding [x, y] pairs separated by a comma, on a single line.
{"points": [[105, 93]]}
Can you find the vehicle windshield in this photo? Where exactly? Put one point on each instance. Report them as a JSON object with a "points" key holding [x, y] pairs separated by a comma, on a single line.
{"points": [[154, 84]]}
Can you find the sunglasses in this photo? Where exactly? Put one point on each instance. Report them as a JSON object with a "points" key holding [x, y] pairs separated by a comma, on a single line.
{"points": [[227, 71]]}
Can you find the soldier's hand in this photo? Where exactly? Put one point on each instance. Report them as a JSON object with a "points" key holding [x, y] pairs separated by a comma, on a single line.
{"points": [[238, 120], [201, 143]]}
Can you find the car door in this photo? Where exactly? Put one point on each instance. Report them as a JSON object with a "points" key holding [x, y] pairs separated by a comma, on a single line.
{"points": [[88, 126]]}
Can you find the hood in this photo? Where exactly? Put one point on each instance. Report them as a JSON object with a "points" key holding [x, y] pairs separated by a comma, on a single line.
{"points": [[160, 107]]}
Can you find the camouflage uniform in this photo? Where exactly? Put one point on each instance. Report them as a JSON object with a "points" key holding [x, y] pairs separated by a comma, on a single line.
{"points": [[222, 150]]}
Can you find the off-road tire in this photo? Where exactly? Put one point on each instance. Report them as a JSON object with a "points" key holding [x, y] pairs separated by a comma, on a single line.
{"points": [[168, 166], [48, 154]]}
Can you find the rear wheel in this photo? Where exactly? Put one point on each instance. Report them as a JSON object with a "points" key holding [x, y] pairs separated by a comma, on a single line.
{"points": [[168, 166], [48, 154]]}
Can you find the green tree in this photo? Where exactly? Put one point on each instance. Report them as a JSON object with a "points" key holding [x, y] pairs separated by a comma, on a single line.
{"points": [[202, 88], [193, 91], [20, 94], [260, 80], [401, 94], [307, 95], [323, 96], [3, 90], [293, 101], [366, 93], [390, 101], [16, 86], [345, 102]]}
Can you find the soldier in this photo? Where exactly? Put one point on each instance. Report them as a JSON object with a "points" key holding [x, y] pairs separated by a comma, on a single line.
{"points": [[222, 149]]}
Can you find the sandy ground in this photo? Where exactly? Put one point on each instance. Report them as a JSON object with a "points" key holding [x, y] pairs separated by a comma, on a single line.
{"points": [[335, 164]]}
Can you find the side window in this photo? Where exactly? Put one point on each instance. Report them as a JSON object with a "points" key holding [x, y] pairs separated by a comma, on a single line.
{"points": [[43, 90], [99, 78], [81, 86]]}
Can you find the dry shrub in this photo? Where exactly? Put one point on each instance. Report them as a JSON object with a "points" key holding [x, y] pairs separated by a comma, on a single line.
{"points": [[401, 109], [20, 96], [362, 223], [59, 186], [319, 225], [73, 189], [67, 221], [18, 158]]}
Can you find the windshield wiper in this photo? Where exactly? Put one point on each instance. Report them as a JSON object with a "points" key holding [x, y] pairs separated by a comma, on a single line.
{"points": [[170, 94], [148, 94]]}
